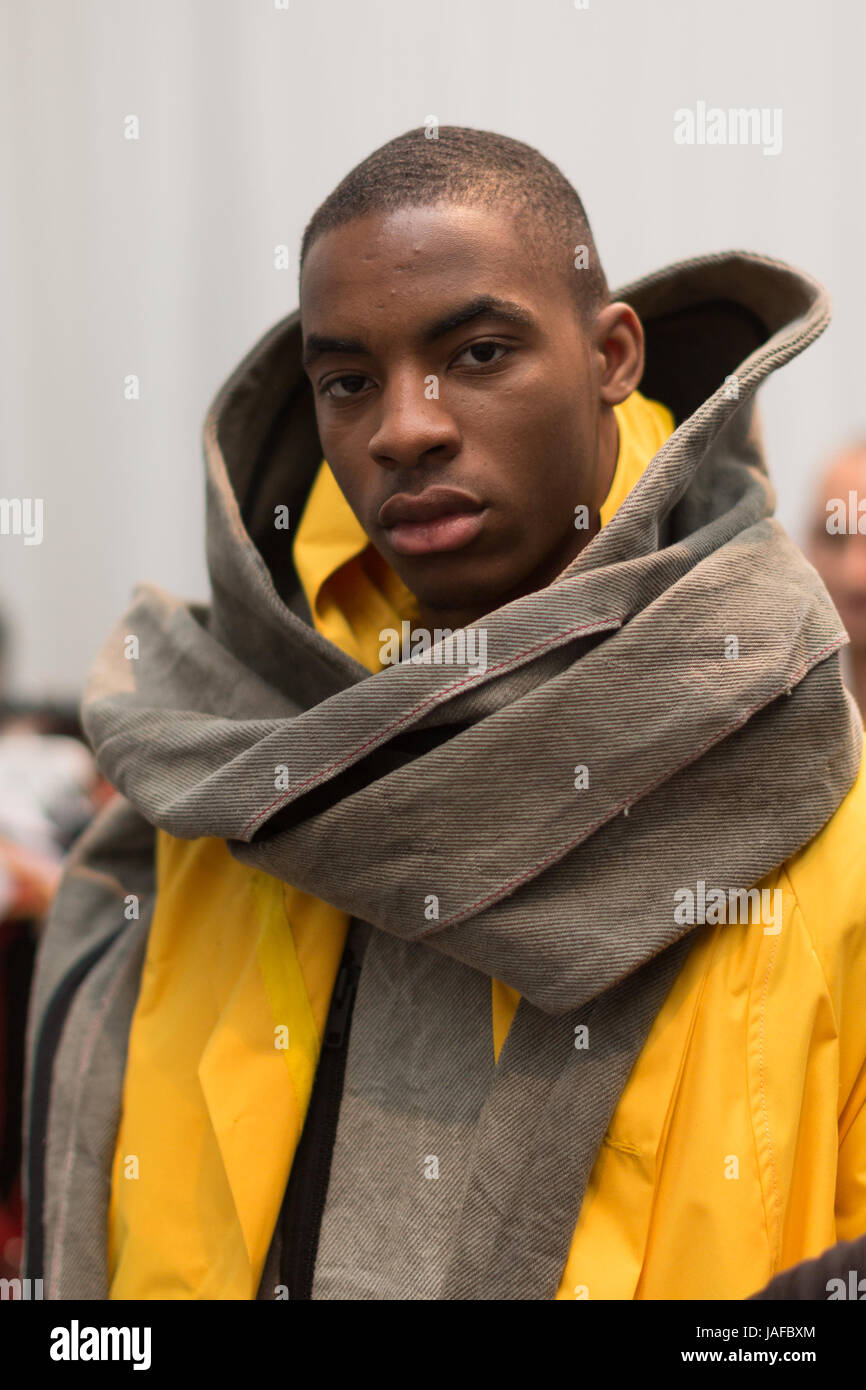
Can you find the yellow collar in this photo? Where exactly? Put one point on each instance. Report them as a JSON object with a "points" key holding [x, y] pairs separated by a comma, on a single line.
{"points": [[352, 592]]}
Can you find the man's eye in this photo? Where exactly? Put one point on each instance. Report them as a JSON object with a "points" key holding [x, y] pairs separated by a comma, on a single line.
{"points": [[341, 381], [485, 350]]}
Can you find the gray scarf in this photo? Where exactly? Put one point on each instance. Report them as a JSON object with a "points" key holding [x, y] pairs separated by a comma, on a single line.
{"points": [[438, 802]]}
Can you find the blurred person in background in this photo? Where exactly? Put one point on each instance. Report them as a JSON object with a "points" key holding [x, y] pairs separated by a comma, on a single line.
{"points": [[49, 790], [837, 549]]}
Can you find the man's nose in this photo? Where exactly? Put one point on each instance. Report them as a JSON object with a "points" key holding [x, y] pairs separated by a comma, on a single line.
{"points": [[413, 423]]}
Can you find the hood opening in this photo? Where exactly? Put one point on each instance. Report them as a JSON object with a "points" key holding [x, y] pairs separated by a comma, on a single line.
{"points": [[682, 378], [702, 319]]}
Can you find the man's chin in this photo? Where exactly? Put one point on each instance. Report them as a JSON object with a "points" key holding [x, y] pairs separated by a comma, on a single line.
{"points": [[466, 593]]}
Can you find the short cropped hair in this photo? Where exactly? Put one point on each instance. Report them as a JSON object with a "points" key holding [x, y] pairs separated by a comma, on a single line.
{"points": [[485, 169]]}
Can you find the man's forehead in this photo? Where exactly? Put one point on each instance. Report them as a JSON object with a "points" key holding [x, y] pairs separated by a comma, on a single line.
{"points": [[420, 229], [411, 244], [420, 265]]}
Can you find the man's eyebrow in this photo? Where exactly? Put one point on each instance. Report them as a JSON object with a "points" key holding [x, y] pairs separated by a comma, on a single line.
{"points": [[318, 344], [483, 306]]}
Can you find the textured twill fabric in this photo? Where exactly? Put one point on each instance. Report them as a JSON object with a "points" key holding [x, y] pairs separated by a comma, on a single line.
{"points": [[438, 802], [198, 1045]]}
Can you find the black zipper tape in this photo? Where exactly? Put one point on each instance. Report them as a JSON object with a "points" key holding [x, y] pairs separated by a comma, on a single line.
{"points": [[307, 1188]]}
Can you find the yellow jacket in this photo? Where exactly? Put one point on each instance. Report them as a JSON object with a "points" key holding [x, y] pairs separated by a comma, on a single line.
{"points": [[744, 1114]]}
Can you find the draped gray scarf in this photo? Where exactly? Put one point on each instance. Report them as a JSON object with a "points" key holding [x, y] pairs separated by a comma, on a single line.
{"points": [[438, 802]]}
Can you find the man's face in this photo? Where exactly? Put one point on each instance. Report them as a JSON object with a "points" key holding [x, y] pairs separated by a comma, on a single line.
{"points": [[500, 403]]}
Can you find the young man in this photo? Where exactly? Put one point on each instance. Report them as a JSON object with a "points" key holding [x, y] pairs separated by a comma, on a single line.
{"points": [[502, 932]]}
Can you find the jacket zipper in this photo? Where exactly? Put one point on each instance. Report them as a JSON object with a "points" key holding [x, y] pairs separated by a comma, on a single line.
{"points": [[307, 1188]]}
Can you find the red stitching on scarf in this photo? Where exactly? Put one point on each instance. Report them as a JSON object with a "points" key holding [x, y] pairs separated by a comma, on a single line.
{"points": [[557, 854], [503, 665]]}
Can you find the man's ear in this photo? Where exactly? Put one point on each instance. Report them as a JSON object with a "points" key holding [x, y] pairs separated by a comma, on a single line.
{"points": [[618, 345]]}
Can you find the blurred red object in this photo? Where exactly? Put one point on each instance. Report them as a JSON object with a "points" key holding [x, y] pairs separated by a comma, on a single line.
{"points": [[28, 880]]}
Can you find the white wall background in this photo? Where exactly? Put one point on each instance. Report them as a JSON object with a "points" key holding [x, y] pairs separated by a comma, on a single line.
{"points": [[156, 256]]}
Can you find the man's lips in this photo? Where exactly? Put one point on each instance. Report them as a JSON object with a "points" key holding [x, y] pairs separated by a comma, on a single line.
{"points": [[441, 518], [442, 533], [426, 505]]}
